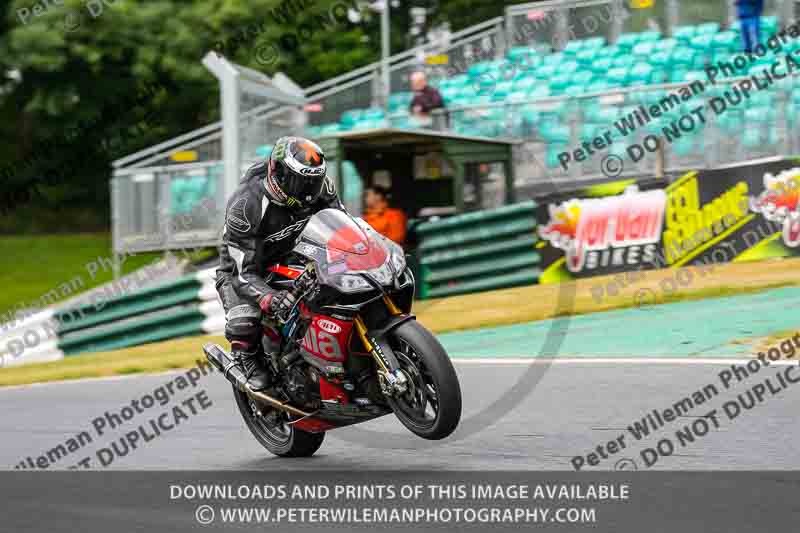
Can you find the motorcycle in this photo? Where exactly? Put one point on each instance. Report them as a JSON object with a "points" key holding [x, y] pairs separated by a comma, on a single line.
{"points": [[349, 350]]}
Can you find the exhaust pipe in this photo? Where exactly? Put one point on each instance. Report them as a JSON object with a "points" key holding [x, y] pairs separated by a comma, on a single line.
{"points": [[233, 373]]}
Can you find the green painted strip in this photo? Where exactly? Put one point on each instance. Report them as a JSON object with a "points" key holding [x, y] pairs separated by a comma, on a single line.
{"points": [[123, 310], [488, 268], [509, 211], [137, 328], [523, 242], [527, 276], [484, 232], [160, 334]]}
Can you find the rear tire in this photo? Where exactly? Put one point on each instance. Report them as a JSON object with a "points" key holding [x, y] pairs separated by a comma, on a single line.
{"points": [[437, 373], [284, 440]]}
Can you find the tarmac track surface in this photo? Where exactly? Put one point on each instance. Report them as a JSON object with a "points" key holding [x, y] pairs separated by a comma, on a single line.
{"points": [[577, 405]]}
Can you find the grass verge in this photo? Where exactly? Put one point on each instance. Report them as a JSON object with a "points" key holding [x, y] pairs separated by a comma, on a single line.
{"points": [[33, 265]]}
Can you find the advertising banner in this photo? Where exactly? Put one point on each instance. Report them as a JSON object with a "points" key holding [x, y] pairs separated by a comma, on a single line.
{"points": [[740, 213]]}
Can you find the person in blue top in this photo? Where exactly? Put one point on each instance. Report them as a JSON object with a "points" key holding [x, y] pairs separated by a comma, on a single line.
{"points": [[749, 12]]}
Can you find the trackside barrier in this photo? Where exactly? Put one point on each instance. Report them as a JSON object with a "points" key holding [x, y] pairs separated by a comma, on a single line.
{"points": [[479, 251], [187, 306]]}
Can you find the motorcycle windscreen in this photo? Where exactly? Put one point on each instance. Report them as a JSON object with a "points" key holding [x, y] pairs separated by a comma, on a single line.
{"points": [[348, 247]]}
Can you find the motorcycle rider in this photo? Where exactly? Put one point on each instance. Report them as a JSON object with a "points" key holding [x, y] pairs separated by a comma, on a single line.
{"points": [[264, 216]]}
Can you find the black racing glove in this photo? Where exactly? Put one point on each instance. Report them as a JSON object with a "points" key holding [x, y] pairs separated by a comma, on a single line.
{"points": [[277, 305]]}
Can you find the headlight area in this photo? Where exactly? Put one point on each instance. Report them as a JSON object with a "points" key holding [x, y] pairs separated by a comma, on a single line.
{"points": [[353, 282]]}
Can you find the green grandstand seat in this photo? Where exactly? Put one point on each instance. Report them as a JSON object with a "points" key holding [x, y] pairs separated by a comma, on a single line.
{"points": [[752, 138], [551, 157], [626, 61], [618, 75], [628, 40], [684, 34], [683, 57], [645, 49], [603, 114], [554, 133], [572, 48], [598, 86], [684, 146], [761, 99], [594, 43], [575, 89], [520, 53], [601, 66], [660, 60], [501, 91], [517, 96], [373, 113], [586, 57], [524, 84], [546, 72], [568, 67], [769, 26], [729, 122], [459, 80], [553, 59], [402, 100], [559, 83], [477, 69], [330, 128], [708, 28], [759, 114], [539, 91], [618, 148], [350, 117], [702, 41], [641, 74], [666, 45], [582, 77], [655, 126], [400, 119], [726, 40]]}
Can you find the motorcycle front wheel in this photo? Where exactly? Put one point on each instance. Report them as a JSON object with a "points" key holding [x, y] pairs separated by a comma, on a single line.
{"points": [[431, 406], [279, 438]]}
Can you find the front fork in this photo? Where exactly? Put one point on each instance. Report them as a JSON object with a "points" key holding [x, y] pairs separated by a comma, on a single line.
{"points": [[393, 380]]}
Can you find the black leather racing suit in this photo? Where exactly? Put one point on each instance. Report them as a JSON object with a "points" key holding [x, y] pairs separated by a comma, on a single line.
{"points": [[258, 233]]}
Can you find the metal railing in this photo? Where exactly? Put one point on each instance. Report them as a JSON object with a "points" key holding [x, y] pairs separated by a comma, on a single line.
{"points": [[167, 207]]}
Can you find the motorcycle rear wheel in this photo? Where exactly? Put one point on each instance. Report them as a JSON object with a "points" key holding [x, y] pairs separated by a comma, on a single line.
{"points": [[282, 440], [431, 408]]}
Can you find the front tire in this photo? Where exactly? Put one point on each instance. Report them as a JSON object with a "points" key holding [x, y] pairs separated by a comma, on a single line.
{"points": [[282, 440], [431, 408]]}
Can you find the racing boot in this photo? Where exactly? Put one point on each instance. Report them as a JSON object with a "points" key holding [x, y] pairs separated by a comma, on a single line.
{"points": [[256, 372]]}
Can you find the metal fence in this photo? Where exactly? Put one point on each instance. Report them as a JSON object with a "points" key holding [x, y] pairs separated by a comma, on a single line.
{"points": [[167, 207]]}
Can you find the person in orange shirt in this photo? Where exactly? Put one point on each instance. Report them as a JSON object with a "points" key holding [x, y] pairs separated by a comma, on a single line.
{"points": [[388, 221]]}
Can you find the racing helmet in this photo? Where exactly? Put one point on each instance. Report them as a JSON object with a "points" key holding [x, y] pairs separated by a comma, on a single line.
{"points": [[296, 172]]}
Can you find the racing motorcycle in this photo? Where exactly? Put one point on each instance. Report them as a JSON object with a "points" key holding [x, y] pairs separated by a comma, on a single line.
{"points": [[349, 350]]}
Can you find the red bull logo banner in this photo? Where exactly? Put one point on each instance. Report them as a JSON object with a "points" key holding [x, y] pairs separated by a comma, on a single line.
{"points": [[737, 213]]}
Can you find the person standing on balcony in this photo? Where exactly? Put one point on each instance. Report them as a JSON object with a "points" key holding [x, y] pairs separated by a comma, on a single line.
{"points": [[749, 12], [426, 98], [388, 221]]}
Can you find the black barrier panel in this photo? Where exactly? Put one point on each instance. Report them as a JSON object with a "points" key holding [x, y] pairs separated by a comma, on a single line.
{"points": [[617, 502], [703, 217]]}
